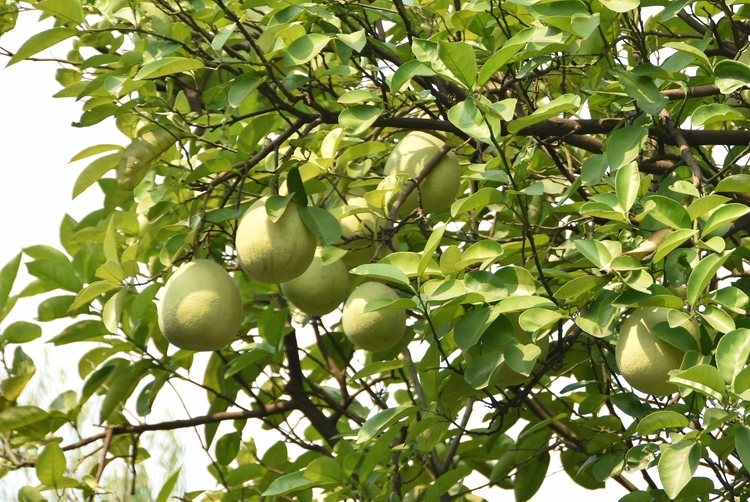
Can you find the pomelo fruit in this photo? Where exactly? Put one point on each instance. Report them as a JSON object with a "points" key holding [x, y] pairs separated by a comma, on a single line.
{"points": [[200, 307], [274, 252], [438, 190], [373, 331], [644, 359], [320, 289]]}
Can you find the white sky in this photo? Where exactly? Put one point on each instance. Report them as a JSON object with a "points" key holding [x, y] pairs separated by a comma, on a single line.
{"points": [[36, 142]]}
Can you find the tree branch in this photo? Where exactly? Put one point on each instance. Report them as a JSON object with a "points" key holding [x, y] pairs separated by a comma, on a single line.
{"points": [[117, 430]]}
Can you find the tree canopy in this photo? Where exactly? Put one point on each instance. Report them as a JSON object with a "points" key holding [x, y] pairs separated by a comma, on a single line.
{"points": [[602, 147]]}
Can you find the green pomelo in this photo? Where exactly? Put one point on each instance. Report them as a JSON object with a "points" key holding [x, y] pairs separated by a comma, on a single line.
{"points": [[201, 307], [274, 252], [320, 289], [644, 359], [373, 331], [438, 190]]}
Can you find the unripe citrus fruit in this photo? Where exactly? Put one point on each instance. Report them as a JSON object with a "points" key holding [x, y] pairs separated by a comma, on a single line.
{"points": [[201, 307], [373, 331], [320, 289], [644, 359], [438, 190], [274, 252]]}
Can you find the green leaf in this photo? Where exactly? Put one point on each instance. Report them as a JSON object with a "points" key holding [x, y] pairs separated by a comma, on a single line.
{"points": [[519, 303], [703, 273], [305, 48], [497, 61], [643, 90], [325, 471], [742, 443], [121, 385], [94, 171], [242, 89], [21, 332], [595, 252], [732, 353], [521, 358], [484, 369], [677, 465], [460, 59], [382, 271], [724, 215], [731, 75], [19, 417], [66, 10], [624, 145], [429, 249], [444, 483], [718, 319], [167, 66], [559, 105], [471, 326], [7, 278], [379, 367], [92, 291], [672, 242], [599, 319], [702, 378], [408, 71], [50, 465], [288, 483], [88, 329], [41, 41], [61, 274], [692, 51], [580, 285], [735, 183], [227, 447], [358, 118], [322, 223], [376, 424], [221, 38], [529, 477], [169, 484], [356, 40], [585, 24], [666, 211], [676, 335], [480, 199], [713, 113], [468, 117], [627, 184], [276, 205], [660, 420]]}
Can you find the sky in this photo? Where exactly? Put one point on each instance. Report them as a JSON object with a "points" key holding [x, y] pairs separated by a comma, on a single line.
{"points": [[36, 143]]}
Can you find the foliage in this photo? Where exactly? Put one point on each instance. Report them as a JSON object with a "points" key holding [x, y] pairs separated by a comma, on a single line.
{"points": [[583, 130]]}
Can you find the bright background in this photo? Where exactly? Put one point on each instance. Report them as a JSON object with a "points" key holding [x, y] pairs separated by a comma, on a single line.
{"points": [[36, 142]]}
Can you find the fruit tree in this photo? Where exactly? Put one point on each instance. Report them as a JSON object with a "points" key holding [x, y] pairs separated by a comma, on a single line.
{"points": [[429, 246]]}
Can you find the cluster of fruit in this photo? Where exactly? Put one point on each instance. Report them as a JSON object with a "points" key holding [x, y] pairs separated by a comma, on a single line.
{"points": [[201, 307]]}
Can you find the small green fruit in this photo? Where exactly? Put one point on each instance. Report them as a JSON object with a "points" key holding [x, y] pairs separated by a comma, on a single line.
{"points": [[201, 307], [320, 289], [373, 331], [644, 359], [438, 190], [274, 252]]}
